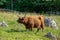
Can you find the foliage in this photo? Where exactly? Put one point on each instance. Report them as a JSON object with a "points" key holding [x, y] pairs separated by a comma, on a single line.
{"points": [[31, 5]]}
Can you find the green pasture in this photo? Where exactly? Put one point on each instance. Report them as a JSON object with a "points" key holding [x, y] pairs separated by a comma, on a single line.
{"points": [[16, 31]]}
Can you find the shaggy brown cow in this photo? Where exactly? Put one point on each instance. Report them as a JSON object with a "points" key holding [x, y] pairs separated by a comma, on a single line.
{"points": [[32, 22]]}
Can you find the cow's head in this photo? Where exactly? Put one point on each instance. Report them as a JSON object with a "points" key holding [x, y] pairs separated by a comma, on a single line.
{"points": [[21, 19]]}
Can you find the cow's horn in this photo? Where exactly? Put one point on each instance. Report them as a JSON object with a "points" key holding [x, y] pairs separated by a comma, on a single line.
{"points": [[25, 15], [18, 14]]}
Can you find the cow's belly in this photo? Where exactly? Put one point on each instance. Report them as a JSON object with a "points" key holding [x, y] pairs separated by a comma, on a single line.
{"points": [[36, 25]]}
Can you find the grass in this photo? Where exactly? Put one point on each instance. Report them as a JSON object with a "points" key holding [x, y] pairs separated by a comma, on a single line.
{"points": [[16, 31]]}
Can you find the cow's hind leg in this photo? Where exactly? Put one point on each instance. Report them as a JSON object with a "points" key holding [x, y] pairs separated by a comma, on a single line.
{"points": [[38, 28], [42, 26]]}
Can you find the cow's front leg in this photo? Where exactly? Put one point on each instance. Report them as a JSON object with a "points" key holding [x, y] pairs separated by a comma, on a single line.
{"points": [[31, 27], [27, 27]]}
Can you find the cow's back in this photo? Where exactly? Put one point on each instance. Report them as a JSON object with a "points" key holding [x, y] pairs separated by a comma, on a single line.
{"points": [[34, 21]]}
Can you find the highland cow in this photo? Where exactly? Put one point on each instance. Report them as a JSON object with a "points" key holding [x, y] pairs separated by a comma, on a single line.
{"points": [[32, 22]]}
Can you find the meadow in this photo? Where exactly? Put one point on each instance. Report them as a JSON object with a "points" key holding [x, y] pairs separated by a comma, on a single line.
{"points": [[16, 31]]}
